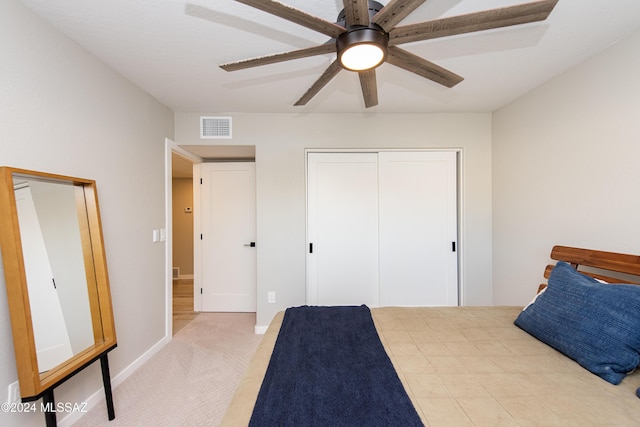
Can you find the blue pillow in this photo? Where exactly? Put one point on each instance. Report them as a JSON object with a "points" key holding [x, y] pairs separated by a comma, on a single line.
{"points": [[595, 324]]}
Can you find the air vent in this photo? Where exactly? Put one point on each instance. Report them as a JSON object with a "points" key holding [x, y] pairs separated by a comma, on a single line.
{"points": [[215, 127]]}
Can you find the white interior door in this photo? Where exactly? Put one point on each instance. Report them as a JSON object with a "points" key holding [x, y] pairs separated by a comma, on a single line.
{"points": [[418, 228], [342, 223], [49, 328], [228, 218]]}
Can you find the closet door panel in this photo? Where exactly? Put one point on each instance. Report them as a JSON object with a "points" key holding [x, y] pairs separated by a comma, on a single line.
{"points": [[418, 228], [342, 227]]}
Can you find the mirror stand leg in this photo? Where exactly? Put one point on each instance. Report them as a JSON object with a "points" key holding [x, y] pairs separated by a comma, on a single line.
{"points": [[50, 408], [106, 381]]}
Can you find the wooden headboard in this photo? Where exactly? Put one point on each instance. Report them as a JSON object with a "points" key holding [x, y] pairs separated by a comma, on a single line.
{"points": [[606, 261]]}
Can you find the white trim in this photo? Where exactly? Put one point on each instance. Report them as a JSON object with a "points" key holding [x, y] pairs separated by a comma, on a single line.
{"points": [[98, 396], [460, 248], [197, 242], [168, 244], [260, 330]]}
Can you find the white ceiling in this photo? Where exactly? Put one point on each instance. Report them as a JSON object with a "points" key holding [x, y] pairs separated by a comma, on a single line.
{"points": [[172, 49]]}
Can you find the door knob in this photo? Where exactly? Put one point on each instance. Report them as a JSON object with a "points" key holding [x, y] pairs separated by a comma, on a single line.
{"points": [[250, 244]]}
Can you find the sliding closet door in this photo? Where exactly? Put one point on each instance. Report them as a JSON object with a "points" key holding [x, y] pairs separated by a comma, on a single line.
{"points": [[342, 223], [418, 228]]}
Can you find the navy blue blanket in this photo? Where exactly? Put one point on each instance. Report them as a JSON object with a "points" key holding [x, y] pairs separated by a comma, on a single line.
{"points": [[329, 368]]}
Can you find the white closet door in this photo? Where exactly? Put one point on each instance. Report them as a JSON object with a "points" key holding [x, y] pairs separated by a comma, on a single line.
{"points": [[418, 229], [343, 229]]}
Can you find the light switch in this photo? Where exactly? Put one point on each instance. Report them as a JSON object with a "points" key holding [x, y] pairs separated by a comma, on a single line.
{"points": [[156, 236]]}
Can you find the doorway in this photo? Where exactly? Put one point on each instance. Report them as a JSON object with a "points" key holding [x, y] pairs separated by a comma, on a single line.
{"points": [[182, 254], [196, 155]]}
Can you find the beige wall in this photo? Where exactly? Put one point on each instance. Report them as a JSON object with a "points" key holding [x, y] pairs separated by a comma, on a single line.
{"points": [[280, 141], [565, 169], [183, 225], [62, 111]]}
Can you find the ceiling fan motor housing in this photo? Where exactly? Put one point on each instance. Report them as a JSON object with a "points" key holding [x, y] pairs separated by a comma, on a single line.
{"points": [[371, 34], [374, 7]]}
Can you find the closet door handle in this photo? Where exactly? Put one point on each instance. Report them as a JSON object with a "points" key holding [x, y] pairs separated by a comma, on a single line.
{"points": [[250, 244]]}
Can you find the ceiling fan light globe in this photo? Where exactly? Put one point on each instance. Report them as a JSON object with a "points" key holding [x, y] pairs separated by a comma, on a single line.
{"points": [[362, 57], [362, 48]]}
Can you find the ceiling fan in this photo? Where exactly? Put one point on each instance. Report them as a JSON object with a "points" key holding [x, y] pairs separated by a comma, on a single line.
{"points": [[366, 35]]}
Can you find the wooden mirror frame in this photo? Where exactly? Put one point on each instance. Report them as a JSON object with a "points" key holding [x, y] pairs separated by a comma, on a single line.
{"points": [[32, 383]]}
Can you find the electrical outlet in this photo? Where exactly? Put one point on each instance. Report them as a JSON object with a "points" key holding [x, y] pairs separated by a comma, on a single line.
{"points": [[13, 394], [271, 297]]}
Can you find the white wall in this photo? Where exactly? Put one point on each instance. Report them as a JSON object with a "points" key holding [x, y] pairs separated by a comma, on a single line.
{"points": [[280, 141], [565, 169], [62, 111]]}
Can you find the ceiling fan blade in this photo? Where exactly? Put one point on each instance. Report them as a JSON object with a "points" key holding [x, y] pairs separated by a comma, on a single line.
{"points": [[356, 12], [420, 66], [292, 14], [369, 87], [322, 81], [394, 12], [279, 57], [479, 21]]}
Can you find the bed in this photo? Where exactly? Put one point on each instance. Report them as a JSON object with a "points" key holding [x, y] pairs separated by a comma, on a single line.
{"points": [[472, 366]]}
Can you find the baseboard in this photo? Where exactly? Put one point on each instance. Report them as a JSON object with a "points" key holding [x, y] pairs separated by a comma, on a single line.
{"points": [[260, 330], [98, 395]]}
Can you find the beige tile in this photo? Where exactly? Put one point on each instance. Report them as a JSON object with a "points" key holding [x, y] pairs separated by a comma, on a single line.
{"points": [[447, 365], [450, 335], [530, 412], [391, 337], [508, 333], [425, 335], [502, 385], [434, 349], [463, 385], [413, 364], [413, 323], [479, 365], [404, 349], [475, 334], [443, 412], [492, 349], [486, 412], [426, 385], [384, 313], [390, 324], [463, 348]]}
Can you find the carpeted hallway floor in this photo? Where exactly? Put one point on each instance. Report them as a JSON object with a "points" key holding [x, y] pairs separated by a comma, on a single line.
{"points": [[191, 381]]}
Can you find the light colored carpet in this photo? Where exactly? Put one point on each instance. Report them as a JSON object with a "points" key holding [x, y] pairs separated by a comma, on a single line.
{"points": [[191, 381]]}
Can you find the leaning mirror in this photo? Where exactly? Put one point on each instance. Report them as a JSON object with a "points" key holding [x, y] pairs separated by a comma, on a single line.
{"points": [[56, 278]]}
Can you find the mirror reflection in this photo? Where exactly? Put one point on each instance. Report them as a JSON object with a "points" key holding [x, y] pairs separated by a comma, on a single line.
{"points": [[50, 228]]}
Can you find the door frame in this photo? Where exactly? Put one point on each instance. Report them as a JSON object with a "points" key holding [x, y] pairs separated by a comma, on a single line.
{"points": [[460, 202], [170, 148]]}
